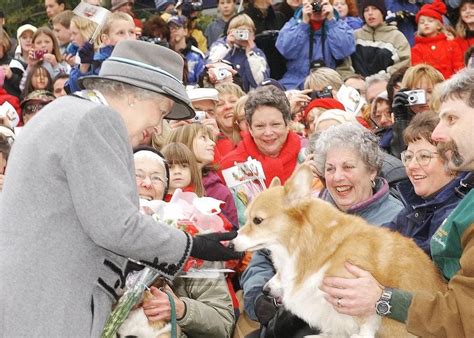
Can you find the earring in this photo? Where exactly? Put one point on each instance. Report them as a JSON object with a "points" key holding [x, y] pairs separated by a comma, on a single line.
{"points": [[373, 184]]}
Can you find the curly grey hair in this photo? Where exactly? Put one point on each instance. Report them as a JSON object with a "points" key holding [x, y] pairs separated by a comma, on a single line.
{"points": [[348, 135], [269, 96]]}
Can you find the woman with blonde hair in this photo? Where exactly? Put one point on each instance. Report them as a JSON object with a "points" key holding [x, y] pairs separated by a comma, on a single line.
{"points": [[229, 136], [238, 47]]}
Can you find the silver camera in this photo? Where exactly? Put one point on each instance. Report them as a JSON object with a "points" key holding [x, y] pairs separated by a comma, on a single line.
{"points": [[221, 73], [200, 115], [241, 34], [417, 96]]}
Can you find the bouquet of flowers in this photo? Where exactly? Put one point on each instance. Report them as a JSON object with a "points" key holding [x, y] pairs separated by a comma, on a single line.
{"points": [[188, 212]]}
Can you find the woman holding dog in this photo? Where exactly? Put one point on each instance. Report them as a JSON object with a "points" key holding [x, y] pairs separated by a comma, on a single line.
{"points": [[448, 314]]}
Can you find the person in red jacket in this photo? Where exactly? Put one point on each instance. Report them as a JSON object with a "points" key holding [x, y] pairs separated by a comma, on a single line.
{"points": [[269, 140], [432, 45], [465, 25]]}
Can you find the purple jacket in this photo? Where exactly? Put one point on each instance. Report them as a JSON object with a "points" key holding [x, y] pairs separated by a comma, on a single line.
{"points": [[216, 189]]}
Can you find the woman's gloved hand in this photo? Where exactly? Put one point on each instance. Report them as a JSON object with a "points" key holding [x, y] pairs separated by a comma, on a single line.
{"points": [[209, 248], [86, 53]]}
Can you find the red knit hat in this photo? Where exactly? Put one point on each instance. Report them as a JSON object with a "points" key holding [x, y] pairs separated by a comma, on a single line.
{"points": [[435, 10], [326, 103]]}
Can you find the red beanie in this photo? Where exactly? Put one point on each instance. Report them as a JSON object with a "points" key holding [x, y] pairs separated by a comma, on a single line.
{"points": [[435, 10], [326, 103]]}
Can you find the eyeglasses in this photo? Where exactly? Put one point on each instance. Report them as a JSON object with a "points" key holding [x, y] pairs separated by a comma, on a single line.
{"points": [[155, 179], [423, 157]]}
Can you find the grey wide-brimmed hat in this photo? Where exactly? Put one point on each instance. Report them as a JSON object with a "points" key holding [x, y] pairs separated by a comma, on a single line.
{"points": [[148, 66]]}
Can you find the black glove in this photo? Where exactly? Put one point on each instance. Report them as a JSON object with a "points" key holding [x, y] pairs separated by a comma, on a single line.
{"points": [[287, 325], [265, 309], [400, 108], [209, 248], [86, 53]]}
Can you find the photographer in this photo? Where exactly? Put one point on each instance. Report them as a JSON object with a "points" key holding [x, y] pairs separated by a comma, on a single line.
{"points": [[418, 83], [238, 47], [314, 35]]}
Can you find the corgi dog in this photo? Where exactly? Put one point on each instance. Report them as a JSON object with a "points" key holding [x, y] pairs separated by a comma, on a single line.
{"points": [[309, 239], [138, 325]]}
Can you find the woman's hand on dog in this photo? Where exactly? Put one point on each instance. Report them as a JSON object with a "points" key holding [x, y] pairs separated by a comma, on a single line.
{"points": [[158, 307], [357, 296]]}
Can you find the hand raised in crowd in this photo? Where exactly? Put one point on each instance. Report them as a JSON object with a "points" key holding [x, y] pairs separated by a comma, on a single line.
{"points": [[211, 124], [159, 308], [212, 68], [70, 59], [298, 99], [327, 11], [7, 71], [86, 53], [400, 109]]}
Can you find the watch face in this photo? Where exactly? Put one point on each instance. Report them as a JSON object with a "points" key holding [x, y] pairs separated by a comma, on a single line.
{"points": [[383, 308]]}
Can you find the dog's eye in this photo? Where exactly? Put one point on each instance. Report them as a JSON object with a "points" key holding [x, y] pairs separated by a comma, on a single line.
{"points": [[257, 220]]}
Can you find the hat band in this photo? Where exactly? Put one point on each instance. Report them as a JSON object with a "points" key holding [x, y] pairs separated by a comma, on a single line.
{"points": [[144, 65]]}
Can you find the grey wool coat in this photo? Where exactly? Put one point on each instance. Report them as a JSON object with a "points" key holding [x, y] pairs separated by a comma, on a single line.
{"points": [[69, 217]]}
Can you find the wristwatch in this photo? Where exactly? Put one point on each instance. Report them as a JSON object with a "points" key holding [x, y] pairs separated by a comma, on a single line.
{"points": [[383, 307]]}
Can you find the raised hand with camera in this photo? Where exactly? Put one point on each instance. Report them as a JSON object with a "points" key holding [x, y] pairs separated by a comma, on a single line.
{"points": [[400, 106], [317, 10]]}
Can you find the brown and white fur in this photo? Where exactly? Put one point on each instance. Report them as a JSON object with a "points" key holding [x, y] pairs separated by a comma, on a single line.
{"points": [[138, 325], [310, 239]]}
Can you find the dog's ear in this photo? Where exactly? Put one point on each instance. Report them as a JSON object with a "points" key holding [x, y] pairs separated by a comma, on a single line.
{"points": [[275, 182], [299, 185]]}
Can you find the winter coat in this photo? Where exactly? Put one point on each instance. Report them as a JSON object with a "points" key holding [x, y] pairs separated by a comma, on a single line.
{"points": [[209, 310], [100, 56], [354, 22], [449, 314], [422, 217], [403, 13], [72, 172], [443, 54], [215, 30], [281, 166], [266, 34], [13, 100], [465, 43], [195, 62], [252, 68], [335, 38], [379, 209], [216, 189], [198, 35], [384, 48]]}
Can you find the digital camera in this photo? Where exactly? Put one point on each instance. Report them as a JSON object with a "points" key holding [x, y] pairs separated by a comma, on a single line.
{"points": [[321, 94], [317, 7], [417, 96], [38, 54], [200, 115], [241, 34], [221, 73]]}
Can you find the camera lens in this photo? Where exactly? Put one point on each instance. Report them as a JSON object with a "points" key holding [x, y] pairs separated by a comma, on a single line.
{"points": [[412, 98], [316, 7]]}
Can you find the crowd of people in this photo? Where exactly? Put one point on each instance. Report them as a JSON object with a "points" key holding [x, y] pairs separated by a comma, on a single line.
{"points": [[99, 120]]}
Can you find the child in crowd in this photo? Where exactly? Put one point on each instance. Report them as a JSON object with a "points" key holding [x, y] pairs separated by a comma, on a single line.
{"points": [[45, 50], [348, 12], [61, 27], [184, 172], [432, 45], [226, 9], [58, 85], [34, 102], [465, 25], [12, 81], [6, 97], [119, 26], [24, 36], [38, 79]]}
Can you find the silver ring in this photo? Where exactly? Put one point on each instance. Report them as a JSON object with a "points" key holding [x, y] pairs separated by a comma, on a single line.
{"points": [[338, 303]]}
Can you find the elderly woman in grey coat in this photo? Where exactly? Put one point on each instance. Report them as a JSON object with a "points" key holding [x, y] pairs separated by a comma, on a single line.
{"points": [[348, 160], [64, 253]]}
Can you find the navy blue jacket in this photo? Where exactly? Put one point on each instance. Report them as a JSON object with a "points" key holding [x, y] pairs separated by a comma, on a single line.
{"points": [[422, 217]]}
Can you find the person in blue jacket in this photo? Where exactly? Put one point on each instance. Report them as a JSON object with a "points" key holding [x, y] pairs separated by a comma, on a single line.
{"points": [[431, 194], [238, 47], [332, 40]]}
